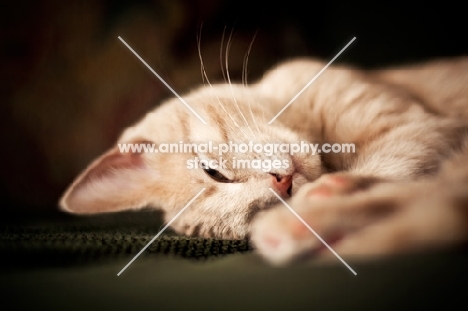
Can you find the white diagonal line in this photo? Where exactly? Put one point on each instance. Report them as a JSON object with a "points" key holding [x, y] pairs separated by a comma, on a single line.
{"points": [[311, 81], [315, 233], [164, 82], [162, 230]]}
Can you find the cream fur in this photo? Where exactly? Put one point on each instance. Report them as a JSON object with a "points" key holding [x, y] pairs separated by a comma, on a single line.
{"points": [[406, 124]]}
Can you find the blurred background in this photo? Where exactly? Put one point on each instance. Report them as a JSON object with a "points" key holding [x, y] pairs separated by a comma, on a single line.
{"points": [[69, 86]]}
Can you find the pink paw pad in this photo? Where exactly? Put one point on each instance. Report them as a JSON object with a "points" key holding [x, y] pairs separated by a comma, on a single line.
{"points": [[340, 181], [271, 241], [322, 191]]}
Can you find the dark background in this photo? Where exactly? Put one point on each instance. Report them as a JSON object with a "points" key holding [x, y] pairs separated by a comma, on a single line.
{"points": [[69, 86]]}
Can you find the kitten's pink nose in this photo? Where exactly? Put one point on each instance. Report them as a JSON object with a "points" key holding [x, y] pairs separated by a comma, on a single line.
{"points": [[282, 184]]}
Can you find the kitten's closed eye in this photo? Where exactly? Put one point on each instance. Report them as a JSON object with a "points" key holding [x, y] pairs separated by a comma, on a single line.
{"points": [[215, 175]]}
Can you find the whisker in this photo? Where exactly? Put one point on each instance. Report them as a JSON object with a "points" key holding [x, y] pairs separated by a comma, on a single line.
{"points": [[221, 54], [202, 65], [246, 59], [226, 59], [253, 118], [244, 71], [205, 76]]}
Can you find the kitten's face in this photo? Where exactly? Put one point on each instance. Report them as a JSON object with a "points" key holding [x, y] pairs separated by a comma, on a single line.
{"points": [[233, 193]]}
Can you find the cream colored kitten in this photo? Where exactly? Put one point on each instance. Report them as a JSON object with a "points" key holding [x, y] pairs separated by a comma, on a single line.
{"points": [[389, 196]]}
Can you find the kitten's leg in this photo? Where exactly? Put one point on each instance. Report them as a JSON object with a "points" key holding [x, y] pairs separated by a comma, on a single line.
{"points": [[280, 236], [421, 225], [407, 151], [387, 218], [432, 213]]}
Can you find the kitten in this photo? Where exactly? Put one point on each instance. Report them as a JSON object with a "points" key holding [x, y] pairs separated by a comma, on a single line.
{"points": [[403, 188]]}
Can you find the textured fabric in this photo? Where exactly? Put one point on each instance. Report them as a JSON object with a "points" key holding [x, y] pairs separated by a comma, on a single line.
{"points": [[78, 240], [70, 263]]}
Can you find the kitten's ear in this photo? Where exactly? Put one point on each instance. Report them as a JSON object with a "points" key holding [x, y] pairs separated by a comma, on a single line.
{"points": [[115, 181]]}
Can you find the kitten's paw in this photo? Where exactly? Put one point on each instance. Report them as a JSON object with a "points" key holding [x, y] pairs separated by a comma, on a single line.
{"points": [[323, 212], [336, 184], [281, 236], [390, 218]]}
